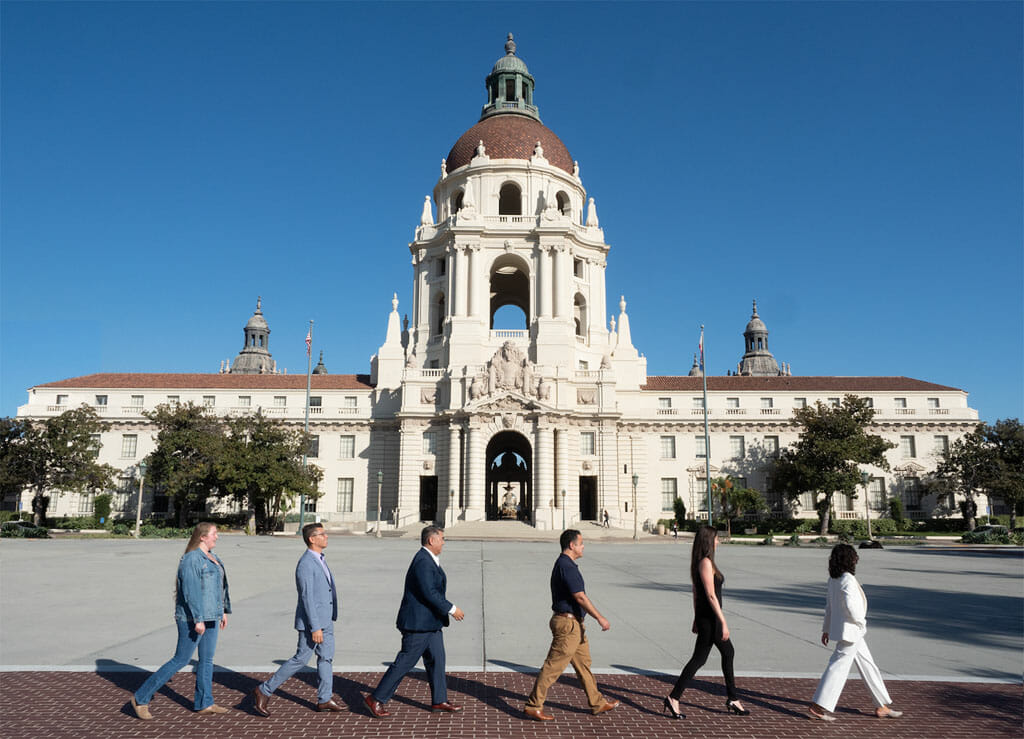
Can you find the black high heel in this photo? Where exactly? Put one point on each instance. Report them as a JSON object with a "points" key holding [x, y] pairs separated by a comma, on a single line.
{"points": [[673, 712], [733, 708]]}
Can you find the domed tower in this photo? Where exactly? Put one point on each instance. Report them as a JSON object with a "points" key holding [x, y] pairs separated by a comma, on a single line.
{"points": [[255, 359], [757, 360]]}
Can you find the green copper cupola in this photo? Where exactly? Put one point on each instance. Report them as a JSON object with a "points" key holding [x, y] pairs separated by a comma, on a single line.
{"points": [[510, 86]]}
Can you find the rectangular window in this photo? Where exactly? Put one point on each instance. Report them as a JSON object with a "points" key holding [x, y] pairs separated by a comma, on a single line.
{"points": [[129, 444], [697, 404], [732, 402], [834, 402], [933, 402], [173, 399], [736, 447], [280, 401], [912, 494], [668, 447], [577, 268], [314, 446], [137, 401], [771, 446], [772, 496], [94, 445], [101, 400], [347, 447], [315, 401], [429, 442], [799, 402], [908, 450], [244, 401], [767, 403], [587, 443], [310, 506], [346, 486], [876, 493], [669, 492], [62, 400], [899, 402], [869, 402], [941, 445], [85, 502], [209, 401], [664, 402], [583, 365], [702, 448], [807, 501], [439, 267], [350, 402]]}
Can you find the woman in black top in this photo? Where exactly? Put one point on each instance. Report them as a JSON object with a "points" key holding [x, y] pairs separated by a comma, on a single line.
{"points": [[708, 623]]}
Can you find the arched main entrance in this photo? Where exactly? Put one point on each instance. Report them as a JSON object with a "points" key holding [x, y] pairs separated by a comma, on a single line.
{"points": [[509, 477]]}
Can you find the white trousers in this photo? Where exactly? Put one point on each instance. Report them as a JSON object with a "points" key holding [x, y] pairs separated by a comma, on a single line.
{"points": [[838, 669]]}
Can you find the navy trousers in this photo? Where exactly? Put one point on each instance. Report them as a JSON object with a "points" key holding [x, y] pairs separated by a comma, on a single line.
{"points": [[415, 644]]}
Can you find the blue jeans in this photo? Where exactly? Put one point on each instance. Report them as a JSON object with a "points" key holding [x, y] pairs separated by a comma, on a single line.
{"points": [[188, 640], [416, 644], [303, 651]]}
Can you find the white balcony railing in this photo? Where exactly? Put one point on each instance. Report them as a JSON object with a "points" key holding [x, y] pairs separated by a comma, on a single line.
{"points": [[735, 411], [510, 220], [131, 410], [667, 411], [316, 410], [938, 411], [56, 408], [588, 375], [510, 334], [903, 411], [770, 411]]}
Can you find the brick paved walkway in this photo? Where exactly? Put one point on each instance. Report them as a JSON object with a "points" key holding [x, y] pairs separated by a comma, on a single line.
{"points": [[87, 704]]}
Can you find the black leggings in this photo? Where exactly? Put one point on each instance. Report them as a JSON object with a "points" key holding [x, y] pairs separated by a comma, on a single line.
{"points": [[709, 631]]}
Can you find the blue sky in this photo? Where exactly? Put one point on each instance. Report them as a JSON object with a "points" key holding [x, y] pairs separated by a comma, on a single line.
{"points": [[856, 167]]}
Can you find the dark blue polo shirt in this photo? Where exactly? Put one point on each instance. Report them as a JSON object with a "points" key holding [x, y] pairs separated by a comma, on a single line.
{"points": [[566, 580]]}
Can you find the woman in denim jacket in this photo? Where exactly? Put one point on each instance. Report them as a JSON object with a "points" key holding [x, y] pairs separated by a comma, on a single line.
{"points": [[201, 606]]}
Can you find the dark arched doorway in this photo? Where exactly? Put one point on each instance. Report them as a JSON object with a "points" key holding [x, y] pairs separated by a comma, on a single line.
{"points": [[509, 478]]}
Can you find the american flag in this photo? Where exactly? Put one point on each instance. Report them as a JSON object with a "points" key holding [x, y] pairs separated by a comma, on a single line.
{"points": [[309, 343]]}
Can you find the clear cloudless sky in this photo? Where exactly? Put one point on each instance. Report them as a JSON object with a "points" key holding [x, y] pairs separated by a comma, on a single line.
{"points": [[855, 167]]}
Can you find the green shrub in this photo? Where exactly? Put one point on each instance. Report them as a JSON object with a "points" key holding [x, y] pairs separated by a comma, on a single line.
{"points": [[17, 532], [78, 522], [121, 529], [101, 506], [680, 510], [896, 511], [149, 531], [805, 526], [1017, 538], [820, 540], [987, 537], [851, 530], [793, 541], [768, 540], [883, 527], [6, 516]]}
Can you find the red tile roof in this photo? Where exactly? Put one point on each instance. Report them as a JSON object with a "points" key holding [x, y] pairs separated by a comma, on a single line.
{"points": [[795, 384], [212, 381], [509, 137]]}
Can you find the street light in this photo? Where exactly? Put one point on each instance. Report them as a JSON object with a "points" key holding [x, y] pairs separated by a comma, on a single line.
{"points": [[380, 481], [865, 478], [636, 479], [451, 504], [563, 509], [138, 509]]}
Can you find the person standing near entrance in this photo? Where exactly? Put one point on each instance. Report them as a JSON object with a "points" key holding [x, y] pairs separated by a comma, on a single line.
{"points": [[569, 645], [315, 614], [424, 612], [605, 517]]}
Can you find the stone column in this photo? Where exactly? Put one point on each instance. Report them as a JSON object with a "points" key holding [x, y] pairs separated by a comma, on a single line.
{"points": [[543, 283], [474, 474], [472, 279], [559, 255], [453, 463], [543, 472], [561, 470], [459, 307]]}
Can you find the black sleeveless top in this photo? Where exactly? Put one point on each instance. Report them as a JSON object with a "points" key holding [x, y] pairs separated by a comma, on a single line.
{"points": [[702, 606]]}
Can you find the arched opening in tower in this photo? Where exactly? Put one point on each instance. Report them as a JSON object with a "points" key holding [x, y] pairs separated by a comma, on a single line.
{"points": [[510, 293], [509, 477], [510, 200]]}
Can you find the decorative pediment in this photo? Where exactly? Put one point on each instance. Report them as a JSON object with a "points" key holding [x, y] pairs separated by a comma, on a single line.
{"points": [[909, 469], [700, 470]]}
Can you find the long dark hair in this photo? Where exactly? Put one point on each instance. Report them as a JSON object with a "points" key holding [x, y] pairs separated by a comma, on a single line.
{"points": [[843, 559], [703, 546]]}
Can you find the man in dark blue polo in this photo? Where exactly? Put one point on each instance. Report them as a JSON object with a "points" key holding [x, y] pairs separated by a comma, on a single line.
{"points": [[422, 615], [569, 643]]}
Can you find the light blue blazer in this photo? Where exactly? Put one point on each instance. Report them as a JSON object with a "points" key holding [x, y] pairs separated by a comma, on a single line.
{"points": [[317, 607]]}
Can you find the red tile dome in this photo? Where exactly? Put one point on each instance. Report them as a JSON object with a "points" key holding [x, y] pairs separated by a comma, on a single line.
{"points": [[509, 136]]}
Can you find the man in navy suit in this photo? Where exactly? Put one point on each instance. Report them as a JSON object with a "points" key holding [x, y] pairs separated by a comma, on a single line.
{"points": [[315, 614], [422, 615]]}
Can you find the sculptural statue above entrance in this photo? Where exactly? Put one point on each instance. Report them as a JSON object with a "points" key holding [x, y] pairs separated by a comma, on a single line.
{"points": [[509, 370]]}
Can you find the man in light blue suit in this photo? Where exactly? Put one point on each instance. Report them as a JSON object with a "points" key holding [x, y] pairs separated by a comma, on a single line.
{"points": [[315, 614], [424, 612]]}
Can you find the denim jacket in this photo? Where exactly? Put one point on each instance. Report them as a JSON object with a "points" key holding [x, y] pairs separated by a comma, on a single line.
{"points": [[202, 588]]}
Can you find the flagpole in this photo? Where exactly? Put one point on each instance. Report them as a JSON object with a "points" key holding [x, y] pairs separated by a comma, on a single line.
{"points": [[707, 438], [305, 453]]}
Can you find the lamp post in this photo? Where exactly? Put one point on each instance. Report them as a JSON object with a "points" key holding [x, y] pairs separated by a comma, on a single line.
{"points": [[138, 509], [636, 479], [563, 509], [380, 482], [451, 505], [865, 478]]}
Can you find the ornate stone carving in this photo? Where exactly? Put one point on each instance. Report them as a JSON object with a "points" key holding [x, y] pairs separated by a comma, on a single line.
{"points": [[508, 370], [586, 396], [587, 465], [428, 395], [428, 465]]}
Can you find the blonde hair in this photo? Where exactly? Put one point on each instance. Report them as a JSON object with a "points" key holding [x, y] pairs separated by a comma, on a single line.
{"points": [[202, 529]]}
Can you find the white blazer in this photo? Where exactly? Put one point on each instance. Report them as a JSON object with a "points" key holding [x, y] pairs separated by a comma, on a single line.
{"points": [[846, 609]]}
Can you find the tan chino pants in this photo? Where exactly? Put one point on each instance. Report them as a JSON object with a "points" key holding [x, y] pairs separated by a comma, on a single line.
{"points": [[569, 645]]}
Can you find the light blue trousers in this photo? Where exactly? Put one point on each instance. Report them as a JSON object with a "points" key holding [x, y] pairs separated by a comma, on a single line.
{"points": [[188, 640], [303, 651]]}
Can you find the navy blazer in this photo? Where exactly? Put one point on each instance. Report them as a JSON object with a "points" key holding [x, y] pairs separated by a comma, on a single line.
{"points": [[317, 606], [424, 606]]}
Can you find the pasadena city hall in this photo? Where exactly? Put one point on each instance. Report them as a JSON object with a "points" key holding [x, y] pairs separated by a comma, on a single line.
{"points": [[555, 421]]}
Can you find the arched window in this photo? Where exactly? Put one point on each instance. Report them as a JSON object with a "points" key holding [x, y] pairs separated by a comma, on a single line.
{"points": [[510, 200], [510, 293], [580, 314], [457, 201], [437, 324], [564, 207]]}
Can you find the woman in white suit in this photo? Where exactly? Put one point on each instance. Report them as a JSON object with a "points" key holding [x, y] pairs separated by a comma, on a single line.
{"points": [[846, 611]]}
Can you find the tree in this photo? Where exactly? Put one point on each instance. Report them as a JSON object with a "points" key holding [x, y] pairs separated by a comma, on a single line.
{"points": [[262, 468], [680, 511], [826, 459], [735, 500], [1006, 476], [966, 468], [56, 455], [189, 443]]}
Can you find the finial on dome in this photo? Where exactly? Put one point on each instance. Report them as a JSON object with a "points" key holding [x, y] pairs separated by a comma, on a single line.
{"points": [[259, 301], [481, 150], [394, 302], [592, 214], [444, 168], [755, 309], [510, 46], [622, 303], [427, 216]]}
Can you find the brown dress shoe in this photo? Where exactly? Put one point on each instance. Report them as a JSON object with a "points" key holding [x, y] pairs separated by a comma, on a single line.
{"points": [[260, 702], [537, 714], [375, 706], [141, 711], [212, 710], [446, 707], [331, 705], [606, 706]]}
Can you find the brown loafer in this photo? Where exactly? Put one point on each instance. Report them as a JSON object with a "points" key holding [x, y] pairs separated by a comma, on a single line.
{"points": [[445, 707], [606, 706], [331, 705], [212, 710], [375, 706], [537, 714], [260, 702], [141, 711]]}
